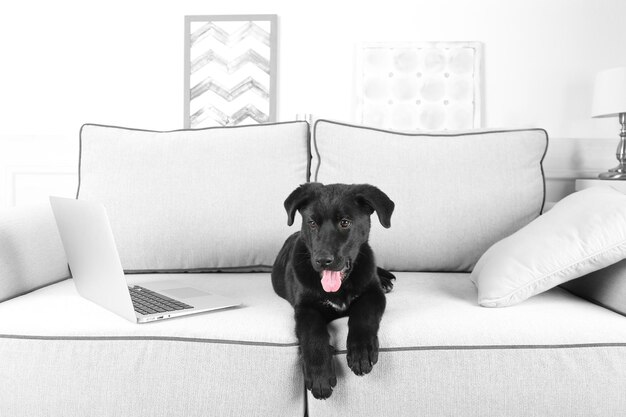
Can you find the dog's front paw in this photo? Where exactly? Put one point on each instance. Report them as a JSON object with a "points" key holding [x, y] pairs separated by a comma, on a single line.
{"points": [[362, 354], [321, 385], [320, 379]]}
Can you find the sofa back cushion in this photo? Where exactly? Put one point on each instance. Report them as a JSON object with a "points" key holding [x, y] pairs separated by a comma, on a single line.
{"points": [[456, 193], [195, 200]]}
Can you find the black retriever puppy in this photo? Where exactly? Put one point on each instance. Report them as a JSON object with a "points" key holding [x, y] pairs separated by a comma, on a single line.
{"points": [[327, 270]]}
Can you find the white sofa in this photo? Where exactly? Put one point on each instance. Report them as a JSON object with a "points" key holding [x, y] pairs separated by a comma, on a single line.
{"points": [[442, 354]]}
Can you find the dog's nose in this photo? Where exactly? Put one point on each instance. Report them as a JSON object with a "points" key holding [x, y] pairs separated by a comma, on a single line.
{"points": [[324, 260]]}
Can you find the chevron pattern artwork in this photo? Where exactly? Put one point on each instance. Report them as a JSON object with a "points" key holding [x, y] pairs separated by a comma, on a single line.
{"points": [[419, 86], [230, 70]]}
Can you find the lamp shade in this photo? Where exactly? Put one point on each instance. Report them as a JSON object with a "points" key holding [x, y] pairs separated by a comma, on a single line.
{"points": [[609, 93]]}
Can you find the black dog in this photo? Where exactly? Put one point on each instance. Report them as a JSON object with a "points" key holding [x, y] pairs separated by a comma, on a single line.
{"points": [[327, 270]]}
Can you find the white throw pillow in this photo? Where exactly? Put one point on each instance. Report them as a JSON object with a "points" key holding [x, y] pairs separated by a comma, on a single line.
{"points": [[456, 193], [582, 233], [195, 200]]}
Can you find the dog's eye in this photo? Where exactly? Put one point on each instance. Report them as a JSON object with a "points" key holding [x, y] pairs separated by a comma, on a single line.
{"points": [[345, 223], [312, 224]]}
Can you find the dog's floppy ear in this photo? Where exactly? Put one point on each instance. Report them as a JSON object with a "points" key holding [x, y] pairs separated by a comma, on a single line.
{"points": [[299, 198], [377, 201]]}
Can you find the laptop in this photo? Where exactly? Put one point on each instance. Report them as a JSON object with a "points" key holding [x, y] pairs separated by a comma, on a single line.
{"points": [[98, 275]]}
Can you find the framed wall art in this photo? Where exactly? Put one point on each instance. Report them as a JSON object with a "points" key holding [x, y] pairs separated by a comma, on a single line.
{"points": [[419, 86], [230, 70]]}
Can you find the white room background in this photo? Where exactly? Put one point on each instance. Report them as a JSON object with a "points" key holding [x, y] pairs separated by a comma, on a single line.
{"points": [[115, 62]]}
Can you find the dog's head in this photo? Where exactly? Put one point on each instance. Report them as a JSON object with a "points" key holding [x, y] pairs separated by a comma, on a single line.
{"points": [[336, 223]]}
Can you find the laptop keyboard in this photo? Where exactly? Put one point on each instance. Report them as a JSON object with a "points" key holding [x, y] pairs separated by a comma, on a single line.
{"points": [[146, 301]]}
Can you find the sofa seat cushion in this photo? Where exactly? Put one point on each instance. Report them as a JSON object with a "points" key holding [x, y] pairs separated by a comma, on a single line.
{"points": [[424, 309], [441, 355], [58, 310], [437, 309], [66, 356]]}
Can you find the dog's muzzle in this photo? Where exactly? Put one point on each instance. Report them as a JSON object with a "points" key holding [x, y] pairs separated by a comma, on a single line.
{"points": [[332, 280]]}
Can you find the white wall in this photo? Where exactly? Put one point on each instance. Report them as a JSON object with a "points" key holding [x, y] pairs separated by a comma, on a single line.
{"points": [[65, 63]]}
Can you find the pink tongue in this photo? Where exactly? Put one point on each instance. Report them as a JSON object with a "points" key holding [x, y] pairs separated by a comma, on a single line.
{"points": [[331, 280]]}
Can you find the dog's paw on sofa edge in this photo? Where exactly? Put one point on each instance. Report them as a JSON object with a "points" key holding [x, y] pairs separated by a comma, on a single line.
{"points": [[320, 380], [362, 354]]}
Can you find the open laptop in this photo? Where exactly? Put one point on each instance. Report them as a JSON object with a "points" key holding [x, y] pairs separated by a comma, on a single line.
{"points": [[98, 275]]}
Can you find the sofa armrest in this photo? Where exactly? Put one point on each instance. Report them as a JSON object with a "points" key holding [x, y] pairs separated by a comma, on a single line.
{"points": [[31, 252], [605, 287]]}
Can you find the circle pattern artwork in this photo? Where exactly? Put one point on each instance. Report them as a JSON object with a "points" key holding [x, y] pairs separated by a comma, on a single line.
{"points": [[426, 86]]}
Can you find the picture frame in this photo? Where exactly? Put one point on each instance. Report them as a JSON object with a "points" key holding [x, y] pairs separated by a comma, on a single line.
{"points": [[230, 70], [416, 86]]}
